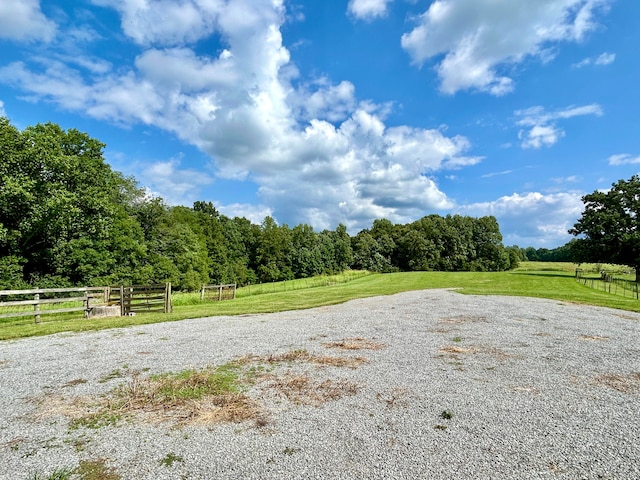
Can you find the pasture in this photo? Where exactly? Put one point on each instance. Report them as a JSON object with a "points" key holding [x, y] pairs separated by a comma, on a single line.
{"points": [[531, 279]]}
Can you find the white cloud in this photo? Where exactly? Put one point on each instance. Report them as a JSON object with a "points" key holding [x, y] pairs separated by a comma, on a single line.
{"points": [[541, 125], [496, 174], [166, 22], [176, 185], [368, 9], [532, 219], [319, 155], [476, 42], [624, 159], [23, 20], [605, 59], [323, 101], [539, 136], [2, 111], [600, 60], [255, 213]]}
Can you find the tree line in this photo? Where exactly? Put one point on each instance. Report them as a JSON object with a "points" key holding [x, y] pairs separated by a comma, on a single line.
{"points": [[67, 218]]}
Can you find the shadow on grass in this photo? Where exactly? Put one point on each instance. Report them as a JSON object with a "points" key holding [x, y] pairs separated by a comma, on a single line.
{"points": [[545, 274]]}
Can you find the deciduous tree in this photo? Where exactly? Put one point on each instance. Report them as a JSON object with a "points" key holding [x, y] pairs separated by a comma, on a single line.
{"points": [[609, 228]]}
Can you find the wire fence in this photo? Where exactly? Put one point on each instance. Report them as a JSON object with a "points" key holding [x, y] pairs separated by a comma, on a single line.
{"points": [[301, 283], [606, 282]]}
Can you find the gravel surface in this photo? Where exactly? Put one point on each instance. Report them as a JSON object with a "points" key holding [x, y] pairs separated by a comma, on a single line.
{"points": [[440, 386]]}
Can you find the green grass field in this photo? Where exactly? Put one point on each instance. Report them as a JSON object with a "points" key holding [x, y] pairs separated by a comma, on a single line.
{"points": [[532, 279]]}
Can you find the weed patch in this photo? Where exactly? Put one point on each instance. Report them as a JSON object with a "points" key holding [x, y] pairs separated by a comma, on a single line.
{"points": [[73, 383], [454, 351], [169, 459], [208, 395], [117, 373], [96, 470], [464, 319], [355, 344], [303, 356], [303, 390], [394, 399], [446, 414], [63, 473]]}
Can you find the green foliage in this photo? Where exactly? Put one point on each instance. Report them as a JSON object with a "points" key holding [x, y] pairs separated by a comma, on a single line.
{"points": [[170, 458], [62, 209], [608, 230], [63, 473], [67, 219], [195, 384]]}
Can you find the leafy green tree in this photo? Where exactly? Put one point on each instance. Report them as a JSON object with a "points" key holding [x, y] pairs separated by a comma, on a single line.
{"points": [[61, 205], [415, 252], [274, 252], [178, 250], [367, 254], [609, 227], [487, 242], [241, 236], [307, 260], [342, 248]]}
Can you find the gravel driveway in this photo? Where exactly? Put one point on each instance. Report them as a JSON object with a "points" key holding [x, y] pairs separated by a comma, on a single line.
{"points": [[430, 384]]}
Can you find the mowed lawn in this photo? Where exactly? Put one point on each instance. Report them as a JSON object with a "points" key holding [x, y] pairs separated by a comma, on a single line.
{"points": [[533, 279]]}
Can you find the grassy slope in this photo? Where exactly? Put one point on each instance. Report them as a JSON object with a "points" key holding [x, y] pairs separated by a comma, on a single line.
{"points": [[553, 281]]}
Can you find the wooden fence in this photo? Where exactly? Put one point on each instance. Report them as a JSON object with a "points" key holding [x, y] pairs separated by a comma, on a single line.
{"points": [[610, 284], [141, 298], [218, 292], [48, 298]]}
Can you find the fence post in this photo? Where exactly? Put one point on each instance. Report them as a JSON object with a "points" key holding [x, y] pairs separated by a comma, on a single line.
{"points": [[202, 293], [87, 303], [168, 307], [122, 309], [36, 307]]}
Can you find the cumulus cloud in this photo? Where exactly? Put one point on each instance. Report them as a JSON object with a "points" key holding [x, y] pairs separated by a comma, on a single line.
{"points": [[624, 159], [368, 9], [177, 186], [323, 101], [476, 42], [541, 129], [532, 218], [165, 22], [23, 20], [319, 155]]}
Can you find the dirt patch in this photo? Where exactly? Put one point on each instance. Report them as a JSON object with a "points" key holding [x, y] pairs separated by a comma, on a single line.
{"points": [[464, 319], [297, 356], [593, 338], [303, 389], [455, 351], [625, 383], [395, 398]]}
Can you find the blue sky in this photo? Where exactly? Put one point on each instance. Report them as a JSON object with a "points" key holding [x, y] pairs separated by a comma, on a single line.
{"points": [[327, 112]]}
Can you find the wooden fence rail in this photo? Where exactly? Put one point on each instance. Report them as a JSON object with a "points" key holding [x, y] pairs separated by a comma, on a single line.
{"points": [[142, 298], [218, 292], [91, 297]]}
